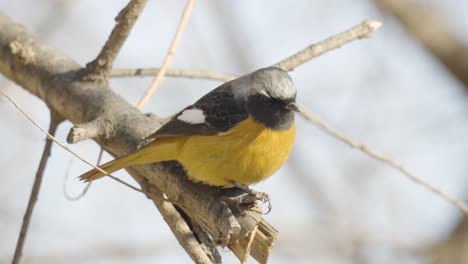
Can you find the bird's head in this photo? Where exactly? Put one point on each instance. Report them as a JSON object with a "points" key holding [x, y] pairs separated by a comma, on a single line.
{"points": [[269, 95]]}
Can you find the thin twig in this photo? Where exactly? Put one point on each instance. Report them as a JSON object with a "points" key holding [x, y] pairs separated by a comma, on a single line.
{"points": [[99, 68], [65, 189], [380, 157], [88, 185], [177, 73], [170, 55], [35, 191], [61, 144], [363, 30]]}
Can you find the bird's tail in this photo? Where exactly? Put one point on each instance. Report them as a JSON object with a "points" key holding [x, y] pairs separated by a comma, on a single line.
{"points": [[156, 151], [109, 167]]}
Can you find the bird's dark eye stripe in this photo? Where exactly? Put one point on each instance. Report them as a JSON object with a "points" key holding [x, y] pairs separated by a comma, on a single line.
{"points": [[267, 99]]}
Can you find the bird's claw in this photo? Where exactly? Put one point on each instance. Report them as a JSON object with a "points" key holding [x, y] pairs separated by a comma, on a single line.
{"points": [[249, 197]]}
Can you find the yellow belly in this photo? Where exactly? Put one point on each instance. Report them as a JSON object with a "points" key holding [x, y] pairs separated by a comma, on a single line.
{"points": [[246, 154]]}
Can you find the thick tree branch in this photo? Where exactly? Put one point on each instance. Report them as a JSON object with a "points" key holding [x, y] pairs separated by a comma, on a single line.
{"points": [[178, 226], [100, 67], [428, 27], [51, 75]]}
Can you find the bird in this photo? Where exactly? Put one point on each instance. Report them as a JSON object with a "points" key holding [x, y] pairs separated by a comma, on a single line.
{"points": [[236, 135]]}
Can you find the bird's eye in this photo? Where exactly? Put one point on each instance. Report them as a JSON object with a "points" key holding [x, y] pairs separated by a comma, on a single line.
{"points": [[266, 100]]}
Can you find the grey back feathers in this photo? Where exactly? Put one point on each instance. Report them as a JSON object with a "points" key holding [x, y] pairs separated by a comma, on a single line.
{"points": [[272, 82], [226, 106], [215, 112]]}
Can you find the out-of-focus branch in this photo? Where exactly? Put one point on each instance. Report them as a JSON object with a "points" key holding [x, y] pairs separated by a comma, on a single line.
{"points": [[177, 73], [454, 249], [54, 121], [169, 56], [428, 27], [363, 30], [100, 67], [382, 158]]}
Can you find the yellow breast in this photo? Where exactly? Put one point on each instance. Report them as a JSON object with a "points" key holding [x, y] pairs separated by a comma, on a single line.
{"points": [[246, 154]]}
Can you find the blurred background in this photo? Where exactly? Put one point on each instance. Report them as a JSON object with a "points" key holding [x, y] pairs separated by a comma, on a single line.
{"points": [[402, 92]]}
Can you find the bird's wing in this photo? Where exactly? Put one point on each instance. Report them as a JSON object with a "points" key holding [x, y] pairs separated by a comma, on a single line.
{"points": [[216, 112]]}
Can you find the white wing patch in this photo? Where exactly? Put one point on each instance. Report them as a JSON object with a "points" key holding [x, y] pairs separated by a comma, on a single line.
{"points": [[192, 116]]}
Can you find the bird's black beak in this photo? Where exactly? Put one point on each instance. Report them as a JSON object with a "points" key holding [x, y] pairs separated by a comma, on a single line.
{"points": [[292, 106]]}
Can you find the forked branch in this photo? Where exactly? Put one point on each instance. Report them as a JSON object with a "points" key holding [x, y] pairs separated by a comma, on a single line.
{"points": [[100, 67]]}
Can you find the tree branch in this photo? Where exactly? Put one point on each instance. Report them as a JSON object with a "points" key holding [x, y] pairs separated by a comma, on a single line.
{"points": [[54, 121], [387, 161], [363, 30], [169, 56], [178, 226], [100, 67], [52, 76], [177, 73]]}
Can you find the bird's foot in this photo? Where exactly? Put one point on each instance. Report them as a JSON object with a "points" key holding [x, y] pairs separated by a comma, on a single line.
{"points": [[248, 197]]}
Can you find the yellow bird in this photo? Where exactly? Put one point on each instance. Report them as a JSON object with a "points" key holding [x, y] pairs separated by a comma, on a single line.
{"points": [[236, 135]]}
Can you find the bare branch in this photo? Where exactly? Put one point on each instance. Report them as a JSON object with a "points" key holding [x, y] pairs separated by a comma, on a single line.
{"points": [[51, 137], [206, 242], [98, 127], [52, 77], [170, 55], [100, 67], [387, 161], [178, 226], [192, 74], [65, 191], [363, 30], [428, 27], [54, 121]]}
